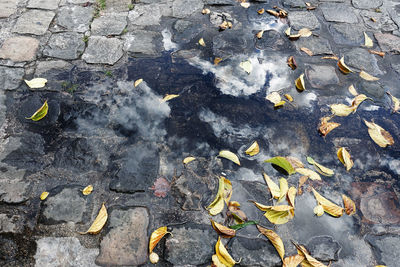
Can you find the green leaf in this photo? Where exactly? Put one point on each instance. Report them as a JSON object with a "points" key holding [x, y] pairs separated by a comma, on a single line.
{"points": [[242, 225], [283, 163], [40, 113]]}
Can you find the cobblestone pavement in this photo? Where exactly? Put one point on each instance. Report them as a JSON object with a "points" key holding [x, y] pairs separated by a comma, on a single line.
{"points": [[128, 143]]}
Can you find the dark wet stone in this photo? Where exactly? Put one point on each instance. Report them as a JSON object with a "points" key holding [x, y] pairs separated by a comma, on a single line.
{"points": [[7, 8], [13, 191], [230, 43], [324, 248], [29, 106], [321, 76], [190, 245], [272, 40], [11, 223], [10, 78], [318, 45], [75, 18], [185, 8], [8, 249], [126, 242], [303, 19], [254, 251], [338, 12], [219, 2], [66, 45], [294, 3], [109, 24], [43, 4], [57, 73], [185, 31], [388, 42], [383, 21], [136, 169], [145, 15], [386, 248], [216, 18], [143, 43], [20, 48], [366, 4], [34, 22], [345, 33], [103, 50], [186, 54], [361, 59], [371, 89], [396, 63]]}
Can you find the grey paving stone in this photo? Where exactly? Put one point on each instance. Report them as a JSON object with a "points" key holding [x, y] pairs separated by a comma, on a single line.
{"points": [[318, 45], [388, 42], [43, 4], [143, 42], [303, 19], [126, 242], [11, 78], [145, 15], [8, 7], [34, 22], [66, 45], [185, 31], [361, 59], [185, 8], [64, 251], [79, 2], [383, 21], [321, 76], [366, 4], [386, 248], [376, 91], [345, 33], [75, 18], [11, 223], [338, 12], [119, 5], [219, 2], [396, 63], [13, 191], [46, 66], [294, 3], [109, 24], [272, 40], [324, 248], [103, 50], [230, 43]]}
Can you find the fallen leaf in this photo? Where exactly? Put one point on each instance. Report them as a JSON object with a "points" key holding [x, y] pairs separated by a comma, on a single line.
{"points": [[222, 230], [137, 82], [379, 135], [373, 19], [280, 104], [343, 67], [229, 155], [275, 240], [201, 42], [161, 187], [310, 260], [242, 225], [291, 195], [330, 57], [367, 76], [245, 5], [253, 150], [188, 159], [304, 32], [326, 127], [379, 53], [302, 180], [246, 66], [274, 97], [395, 101], [234, 210], [44, 195], [87, 190], [353, 90], [367, 41], [345, 158], [217, 60], [319, 210], [307, 51], [218, 203], [292, 261], [216, 262], [168, 97], [225, 24], [261, 11], [295, 162], [309, 173], [99, 222], [320, 168], [283, 188], [260, 34], [206, 11], [227, 190], [280, 214], [300, 83], [341, 110], [287, 31], [36, 83], [289, 97], [358, 100], [282, 163], [273, 12], [273, 187], [349, 205], [156, 236], [40, 113], [223, 255], [328, 206], [154, 258]]}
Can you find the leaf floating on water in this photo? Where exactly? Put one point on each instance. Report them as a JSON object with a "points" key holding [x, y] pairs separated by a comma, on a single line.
{"points": [[242, 225], [353, 90], [319, 210], [325, 126], [367, 41], [36, 83], [261, 11], [379, 135], [300, 83], [395, 101], [253, 150], [206, 11], [280, 214], [307, 51], [188, 159], [341, 110], [245, 5], [274, 97], [349, 205], [217, 60], [44, 195], [218, 203], [292, 261], [382, 54], [282, 163], [156, 236], [289, 97], [291, 195], [169, 97], [283, 188], [154, 258], [310, 260], [137, 82], [246, 66], [304, 32], [328, 206], [273, 187], [229, 155], [260, 34], [345, 158], [358, 100], [295, 162], [309, 173], [275, 240], [87, 190], [320, 168], [40, 113], [222, 230], [99, 222], [223, 255], [202, 43], [343, 67], [368, 77]]}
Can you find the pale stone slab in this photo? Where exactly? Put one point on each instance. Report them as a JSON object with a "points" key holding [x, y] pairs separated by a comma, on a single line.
{"points": [[19, 48], [7, 8], [34, 22], [103, 50], [44, 4]]}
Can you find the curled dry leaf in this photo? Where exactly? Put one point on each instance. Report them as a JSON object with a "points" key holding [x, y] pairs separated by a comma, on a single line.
{"points": [[246, 66], [188, 159], [253, 150], [260, 34], [168, 97], [300, 83], [216, 262], [345, 158], [325, 126], [368, 77], [40, 113], [328, 206], [343, 67], [206, 11], [379, 53], [99, 222], [36, 83], [229, 155], [367, 41], [307, 51], [289, 97], [310, 260], [274, 97], [137, 82], [319, 210], [218, 203], [222, 230], [349, 205], [273, 187], [154, 258], [395, 102], [273, 12], [309, 173], [201, 42], [217, 60], [358, 100], [275, 240], [223, 255], [44, 195], [282, 163], [353, 90], [291, 195], [234, 211], [261, 11], [156, 236], [87, 190], [292, 261], [379, 135]]}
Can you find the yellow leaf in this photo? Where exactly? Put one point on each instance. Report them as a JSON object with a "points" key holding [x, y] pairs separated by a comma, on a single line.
{"points": [[358, 100], [292, 261], [217, 60], [188, 159], [153, 257], [137, 82], [367, 41], [216, 261], [300, 83], [273, 187], [304, 32], [40, 113], [307, 51], [205, 11], [87, 190], [201, 42], [330, 57], [262, 207], [343, 67], [341, 110], [289, 97], [349, 205], [291, 63], [275, 240], [379, 53], [273, 12], [295, 162], [321, 169], [284, 187], [312, 261], [246, 66], [325, 126], [328, 206], [319, 210], [279, 214], [367, 76], [229, 155], [223, 255], [260, 34], [345, 158], [44, 195], [99, 222], [36, 83], [279, 104], [309, 173], [168, 97], [353, 90], [245, 5], [274, 97], [218, 203], [227, 190], [379, 135], [261, 11], [395, 101], [222, 230], [156, 236], [291, 194], [254, 149], [287, 31]]}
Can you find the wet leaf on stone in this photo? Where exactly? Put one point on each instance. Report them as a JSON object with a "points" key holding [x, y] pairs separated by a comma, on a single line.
{"points": [[245, 4], [188, 159], [326, 127], [295, 162], [283, 188], [341, 110], [274, 97], [161, 187], [379, 53], [246, 66], [36, 83], [330, 57], [217, 60], [308, 258], [349, 205], [260, 34], [87, 190], [291, 195], [395, 102], [137, 82], [379, 135], [345, 158], [319, 210], [99, 222], [154, 258], [40, 113], [343, 67], [300, 83], [320, 168], [275, 240], [328, 206], [358, 100], [242, 225], [222, 230], [304, 32], [289, 97], [261, 11], [227, 190], [353, 90], [282, 163], [201, 42], [368, 77], [223, 255], [206, 11], [280, 214], [218, 203], [156, 236], [307, 51], [273, 187], [292, 261], [168, 97], [229, 155], [309, 173], [44, 195], [367, 41], [273, 12], [253, 150]]}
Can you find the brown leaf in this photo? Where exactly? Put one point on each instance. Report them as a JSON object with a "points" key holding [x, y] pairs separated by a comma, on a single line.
{"points": [[325, 126], [382, 54], [156, 236], [217, 60], [349, 205], [343, 67], [222, 230], [161, 187], [302, 180], [275, 240], [292, 63], [379, 135], [261, 11], [307, 51], [273, 12], [329, 207]]}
